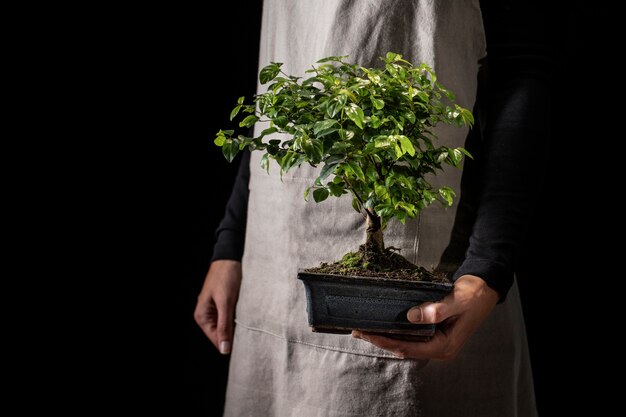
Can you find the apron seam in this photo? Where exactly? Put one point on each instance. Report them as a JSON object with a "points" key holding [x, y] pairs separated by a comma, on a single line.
{"points": [[326, 347]]}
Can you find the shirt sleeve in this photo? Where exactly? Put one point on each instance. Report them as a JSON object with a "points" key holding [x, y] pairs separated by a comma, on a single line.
{"points": [[512, 109], [230, 233]]}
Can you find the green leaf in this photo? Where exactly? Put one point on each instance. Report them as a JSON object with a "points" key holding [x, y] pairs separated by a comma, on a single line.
{"points": [[230, 150], [288, 161], [392, 70], [454, 114], [423, 96], [375, 122], [329, 168], [466, 115], [384, 210], [249, 121], [306, 193], [355, 113], [373, 77], [398, 150], [335, 105], [398, 124], [265, 162], [405, 143], [355, 168], [382, 141], [346, 134], [269, 72], [235, 112], [240, 100], [297, 143], [333, 109], [244, 141], [219, 140], [466, 153], [428, 197], [249, 108], [325, 127], [407, 207], [332, 58], [336, 189], [377, 103], [392, 57], [371, 173], [272, 148], [281, 121], [356, 205], [381, 192], [313, 149], [340, 148], [455, 156], [447, 194], [410, 116], [269, 131], [320, 194]]}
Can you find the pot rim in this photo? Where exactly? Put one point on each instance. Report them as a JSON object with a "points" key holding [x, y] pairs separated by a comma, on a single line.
{"points": [[321, 276]]}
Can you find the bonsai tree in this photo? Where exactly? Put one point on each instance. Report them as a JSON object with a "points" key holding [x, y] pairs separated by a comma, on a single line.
{"points": [[370, 130]]}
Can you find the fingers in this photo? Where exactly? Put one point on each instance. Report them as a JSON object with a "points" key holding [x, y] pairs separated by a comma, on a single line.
{"points": [[458, 315], [225, 327], [437, 348], [466, 289], [205, 315], [215, 311], [432, 312], [216, 319]]}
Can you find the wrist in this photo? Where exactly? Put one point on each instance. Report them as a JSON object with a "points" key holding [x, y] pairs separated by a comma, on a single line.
{"points": [[225, 265], [479, 287]]}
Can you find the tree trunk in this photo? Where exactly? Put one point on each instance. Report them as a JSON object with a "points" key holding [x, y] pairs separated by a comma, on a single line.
{"points": [[374, 234]]}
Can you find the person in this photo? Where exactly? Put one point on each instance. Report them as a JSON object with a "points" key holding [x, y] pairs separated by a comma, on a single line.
{"points": [[478, 363]]}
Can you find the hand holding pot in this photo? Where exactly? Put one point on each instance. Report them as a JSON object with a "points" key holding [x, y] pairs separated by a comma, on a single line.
{"points": [[460, 312], [215, 310]]}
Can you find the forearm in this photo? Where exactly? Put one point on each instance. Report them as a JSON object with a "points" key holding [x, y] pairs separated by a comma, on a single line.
{"points": [[513, 112], [515, 146], [230, 234]]}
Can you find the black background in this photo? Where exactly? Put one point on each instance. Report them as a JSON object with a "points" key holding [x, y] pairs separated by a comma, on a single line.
{"points": [[219, 63]]}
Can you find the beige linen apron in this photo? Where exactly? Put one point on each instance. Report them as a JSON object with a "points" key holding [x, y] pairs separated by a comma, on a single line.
{"points": [[278, 366]]}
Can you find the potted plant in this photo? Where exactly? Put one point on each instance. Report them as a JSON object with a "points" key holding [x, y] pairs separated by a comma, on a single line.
{"points": [[370, 132]]}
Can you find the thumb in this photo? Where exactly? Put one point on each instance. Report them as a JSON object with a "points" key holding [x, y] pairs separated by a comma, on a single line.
{"points": [[429, 312]]}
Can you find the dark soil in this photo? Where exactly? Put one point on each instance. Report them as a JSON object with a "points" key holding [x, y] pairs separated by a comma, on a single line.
{"points": [[370, 261]]}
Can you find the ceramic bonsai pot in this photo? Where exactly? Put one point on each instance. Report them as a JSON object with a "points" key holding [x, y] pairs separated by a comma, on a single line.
{"points": [[340, 304]]}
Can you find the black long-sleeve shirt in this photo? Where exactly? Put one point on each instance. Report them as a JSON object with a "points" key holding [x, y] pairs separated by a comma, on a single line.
{"points": [[510, 142]]}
